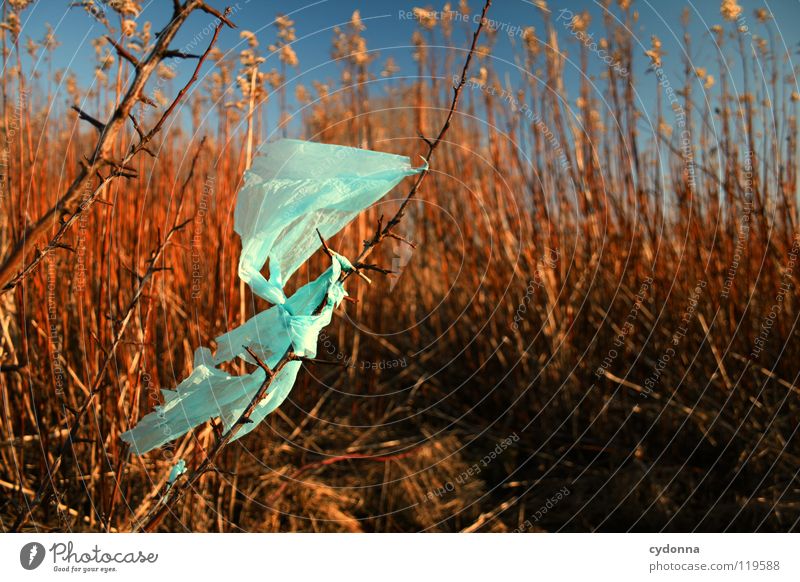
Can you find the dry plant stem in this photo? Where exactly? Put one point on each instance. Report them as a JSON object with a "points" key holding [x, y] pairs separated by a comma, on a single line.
{"points": [[157, 514], [631, 277], [381, 231], [65, 212], [160, 510], [333, 460], [126, 452], [164, 506], [48, 484]]}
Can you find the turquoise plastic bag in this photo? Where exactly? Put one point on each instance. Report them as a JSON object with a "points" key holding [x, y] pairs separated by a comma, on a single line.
{"points": [[293, 189], [177, 470], [297, 187]]}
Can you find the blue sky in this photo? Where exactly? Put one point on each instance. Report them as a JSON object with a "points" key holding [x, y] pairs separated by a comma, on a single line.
{"points": [[389, 32]]}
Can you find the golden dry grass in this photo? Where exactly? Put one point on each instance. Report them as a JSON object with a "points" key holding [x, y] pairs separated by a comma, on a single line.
{"points": [[566, 216]]}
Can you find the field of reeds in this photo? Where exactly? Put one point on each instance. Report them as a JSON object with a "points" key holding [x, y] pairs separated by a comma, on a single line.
{"points": [[595, 330]]}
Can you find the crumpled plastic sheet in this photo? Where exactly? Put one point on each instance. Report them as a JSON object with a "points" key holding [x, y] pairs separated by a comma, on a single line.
{"points": [[293, 188], [177, 470]]}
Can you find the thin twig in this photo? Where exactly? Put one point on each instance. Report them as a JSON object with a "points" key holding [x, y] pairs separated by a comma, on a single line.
{"points": [[13, 269], [49, 483], [99, 125], [121, 51], [160, 510], [338, 459], [381, 232], [157, 513]]}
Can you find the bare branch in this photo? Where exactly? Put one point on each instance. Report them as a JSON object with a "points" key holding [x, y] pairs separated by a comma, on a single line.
{"points": [[121, 51], [158, 512], [432, 145], [259, 361], [100, 126], [181, 93], [325, 246], [214, 12], [147, 101], [180, 55], [97, 385], [13, 268], [401, 239], [136, 125], [373, 267]]}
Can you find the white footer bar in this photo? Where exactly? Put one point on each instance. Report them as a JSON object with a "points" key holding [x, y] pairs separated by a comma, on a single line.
{"points": [[402, 557]]}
